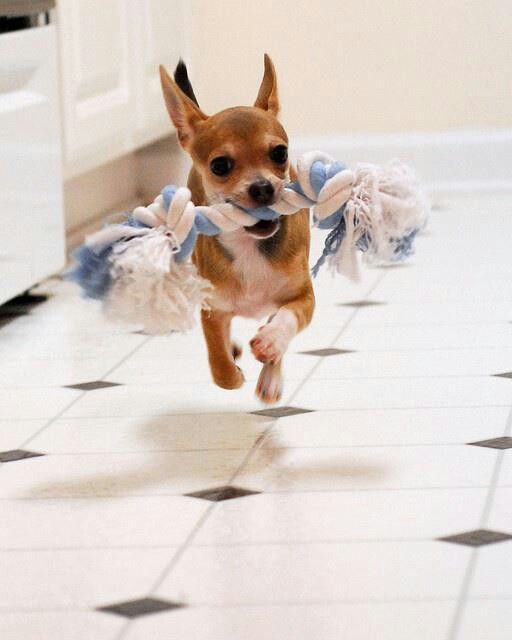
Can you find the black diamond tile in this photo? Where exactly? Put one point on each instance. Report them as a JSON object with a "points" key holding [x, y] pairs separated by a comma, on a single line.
{"points": [[218, 494], [361, 303], [21, 305], [18, 454], [142, 607], [92, 386], [504, 442], [477, 538], [507, 374], [329, 351], [281, 412]]}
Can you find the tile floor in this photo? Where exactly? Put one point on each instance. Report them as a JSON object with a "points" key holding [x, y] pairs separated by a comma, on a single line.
{"points": [[163, 507]]}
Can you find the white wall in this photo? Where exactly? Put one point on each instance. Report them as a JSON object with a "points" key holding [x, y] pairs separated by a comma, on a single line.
{"points": [[360, 66]]}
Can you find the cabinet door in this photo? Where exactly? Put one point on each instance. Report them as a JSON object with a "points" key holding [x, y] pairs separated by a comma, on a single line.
{"points": [[31, 211], [161, 31], [97, 87]]}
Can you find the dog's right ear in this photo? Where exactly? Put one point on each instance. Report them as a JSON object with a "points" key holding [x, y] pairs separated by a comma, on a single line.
{"points": [[185, 115]]}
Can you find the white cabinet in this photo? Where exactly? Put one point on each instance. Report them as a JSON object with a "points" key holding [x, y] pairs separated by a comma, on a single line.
{"points": [[110, 51], [31, 211]]}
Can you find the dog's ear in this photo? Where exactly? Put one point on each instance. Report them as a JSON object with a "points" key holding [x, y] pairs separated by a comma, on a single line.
{"points": [[267, 95], [183, 81], [185, 115]]}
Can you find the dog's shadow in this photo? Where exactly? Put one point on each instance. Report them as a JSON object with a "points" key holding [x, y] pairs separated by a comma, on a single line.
{"points": [[189, 452]]}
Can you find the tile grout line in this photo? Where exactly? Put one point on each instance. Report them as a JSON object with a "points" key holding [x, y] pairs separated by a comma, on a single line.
{"points": [[124, 496], [181, 550], [471, 567], [80, 396]]}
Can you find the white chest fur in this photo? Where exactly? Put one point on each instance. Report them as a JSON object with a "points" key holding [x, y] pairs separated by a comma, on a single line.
{"points": [[260, 284]]}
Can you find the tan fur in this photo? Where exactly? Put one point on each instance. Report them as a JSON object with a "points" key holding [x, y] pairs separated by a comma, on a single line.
{"points": [[252, 277]]}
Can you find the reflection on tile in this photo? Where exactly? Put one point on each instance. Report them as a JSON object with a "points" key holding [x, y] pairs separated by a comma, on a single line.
{"points": [[142, 607], [127, 474], [332, 469], [178, 432]]}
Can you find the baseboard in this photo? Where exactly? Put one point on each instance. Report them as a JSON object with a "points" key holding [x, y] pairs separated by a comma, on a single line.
{"points": [[133, 179], [446, 161]]}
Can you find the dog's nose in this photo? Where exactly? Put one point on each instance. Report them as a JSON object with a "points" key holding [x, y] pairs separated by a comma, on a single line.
{"points": [[262, 192]]}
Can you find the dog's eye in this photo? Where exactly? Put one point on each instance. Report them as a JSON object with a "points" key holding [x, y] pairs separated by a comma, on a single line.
{"points": [[279, 154], [221, 166]]}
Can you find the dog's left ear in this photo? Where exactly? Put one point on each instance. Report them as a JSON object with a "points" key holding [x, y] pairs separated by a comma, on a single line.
{"points": [[267, 95]]}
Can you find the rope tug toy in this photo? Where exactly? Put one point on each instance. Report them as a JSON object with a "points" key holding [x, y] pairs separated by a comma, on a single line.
{"points": [[140, 268]]}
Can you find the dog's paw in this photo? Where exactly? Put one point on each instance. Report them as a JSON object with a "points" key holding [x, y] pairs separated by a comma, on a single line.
{"points": [[229, 378], [270, 343], [270, 384]]}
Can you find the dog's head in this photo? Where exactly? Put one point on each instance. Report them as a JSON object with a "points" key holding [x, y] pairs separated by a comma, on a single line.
{"points": [[241, 153]]}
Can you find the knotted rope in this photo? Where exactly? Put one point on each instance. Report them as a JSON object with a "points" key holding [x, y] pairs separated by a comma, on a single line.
{"points": [[140, 268]]}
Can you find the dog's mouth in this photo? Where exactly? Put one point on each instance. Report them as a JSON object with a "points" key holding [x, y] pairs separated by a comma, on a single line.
{"points": [[264, 228]]}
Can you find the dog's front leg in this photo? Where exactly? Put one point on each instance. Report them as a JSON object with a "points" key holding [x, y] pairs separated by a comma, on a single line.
{"points": [[221, 354], [271, 342]]}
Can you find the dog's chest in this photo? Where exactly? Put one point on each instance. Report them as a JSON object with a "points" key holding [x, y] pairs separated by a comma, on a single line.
{"points": [[259, 284]]}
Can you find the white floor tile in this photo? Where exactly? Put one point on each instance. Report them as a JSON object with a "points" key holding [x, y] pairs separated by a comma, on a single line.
{"points": [[500, 517], [410, 337], [184, 369], [54, 373], [505, 479], [346, 515], [76, 625], [411, 364], [36, 402], [491, 578], [98, 522], [368, 468], [186, 431], [438, 313], [342, 541], [78, 578], [389, 621], [316, 572], [387, 427], [165, 399], [118, 474], [389, 393], [49, 347], [14, 432], [486, 619]]}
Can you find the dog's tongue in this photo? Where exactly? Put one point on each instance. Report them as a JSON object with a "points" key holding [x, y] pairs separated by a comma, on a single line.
{"points": [[263, 228]]}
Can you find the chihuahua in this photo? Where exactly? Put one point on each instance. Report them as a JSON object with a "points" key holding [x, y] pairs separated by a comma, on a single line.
{"points": [[240, 155]]}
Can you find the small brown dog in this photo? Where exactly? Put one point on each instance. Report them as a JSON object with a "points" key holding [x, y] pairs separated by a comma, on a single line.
{"points": [[240, 155]]}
